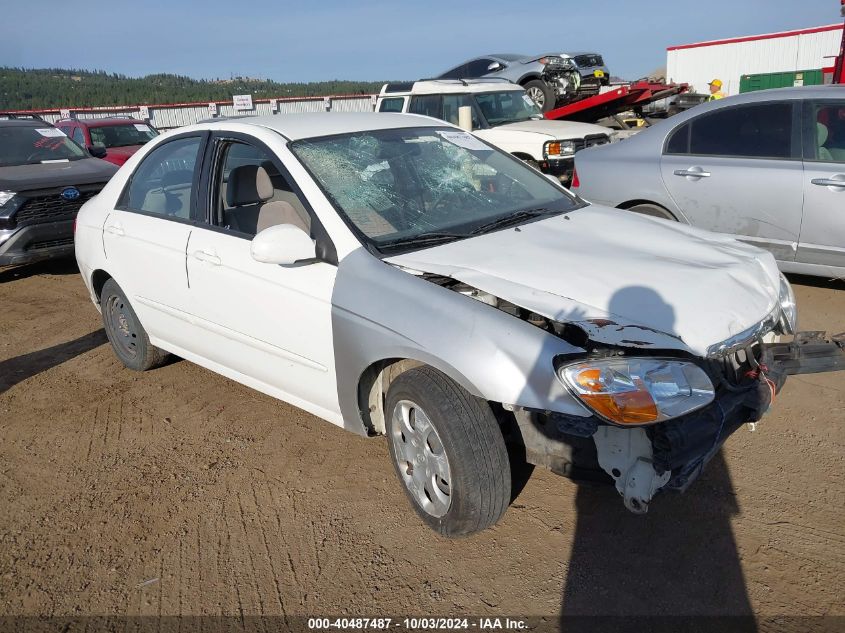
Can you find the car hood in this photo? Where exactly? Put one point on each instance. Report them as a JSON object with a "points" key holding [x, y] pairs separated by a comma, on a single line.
{"points": [[554, 129], [625, 279], [119, 155], [43, 175]]}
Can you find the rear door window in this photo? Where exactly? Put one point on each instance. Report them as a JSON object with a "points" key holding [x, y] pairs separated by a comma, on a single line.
{"points": [[163, 184], [763, 130], [429, 105]]}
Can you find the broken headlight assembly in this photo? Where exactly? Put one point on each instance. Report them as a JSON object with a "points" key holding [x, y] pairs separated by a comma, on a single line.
{"points": [[636, 391], [788, 309]]}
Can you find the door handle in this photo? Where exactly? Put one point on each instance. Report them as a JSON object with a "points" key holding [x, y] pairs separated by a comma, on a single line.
{"points": [[836, 181], [692, 173], [115, 229], [205, 256]]}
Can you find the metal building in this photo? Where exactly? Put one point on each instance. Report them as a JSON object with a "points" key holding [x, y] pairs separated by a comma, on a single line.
{"points": [[728, 59]]}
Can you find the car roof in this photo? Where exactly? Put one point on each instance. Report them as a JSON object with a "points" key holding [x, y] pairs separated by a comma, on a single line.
{"points": [[103, 122], [834, 91], [316, 124], [450, 86], [24, 123]]}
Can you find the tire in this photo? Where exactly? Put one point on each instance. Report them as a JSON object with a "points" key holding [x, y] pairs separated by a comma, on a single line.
{"points": [[127, 336], [541, 93], [653, 210], [434, 423]]}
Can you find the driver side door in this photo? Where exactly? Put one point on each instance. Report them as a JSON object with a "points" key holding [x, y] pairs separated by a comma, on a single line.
{"points": [[266, 325]]}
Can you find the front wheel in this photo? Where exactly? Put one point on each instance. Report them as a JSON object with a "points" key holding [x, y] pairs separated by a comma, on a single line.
{"points": [[448, 451], [541, 94]]}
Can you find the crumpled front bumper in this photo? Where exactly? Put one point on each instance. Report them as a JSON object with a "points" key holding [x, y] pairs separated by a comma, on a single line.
{"points": [[671, 455]]}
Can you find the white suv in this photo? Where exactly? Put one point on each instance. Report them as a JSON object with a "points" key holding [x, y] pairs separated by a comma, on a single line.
{"points": [[502, 114]]}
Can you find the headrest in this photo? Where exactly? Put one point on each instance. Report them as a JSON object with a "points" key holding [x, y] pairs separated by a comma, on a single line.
{"points": [[821, 133], [248, 184]]}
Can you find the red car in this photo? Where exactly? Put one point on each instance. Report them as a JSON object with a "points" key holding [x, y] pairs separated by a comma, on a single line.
{"points": [[120, 137]]}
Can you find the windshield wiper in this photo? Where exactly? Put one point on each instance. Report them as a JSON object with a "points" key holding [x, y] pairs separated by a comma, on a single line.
{"points": [[431, 237], [512, 219]]}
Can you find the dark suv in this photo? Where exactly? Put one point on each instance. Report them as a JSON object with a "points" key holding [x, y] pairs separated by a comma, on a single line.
{"points": [[119, 136], [44, 180]]}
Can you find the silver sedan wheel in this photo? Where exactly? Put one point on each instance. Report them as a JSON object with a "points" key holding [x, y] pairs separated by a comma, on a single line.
{"points": [[421, 458], [537, 96]]}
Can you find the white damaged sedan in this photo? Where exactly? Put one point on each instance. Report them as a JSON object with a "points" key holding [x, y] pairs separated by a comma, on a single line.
{"points": [[397, 276]]}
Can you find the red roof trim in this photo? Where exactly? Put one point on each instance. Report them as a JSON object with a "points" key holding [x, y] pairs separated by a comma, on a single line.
{"points": [[753, 38]]}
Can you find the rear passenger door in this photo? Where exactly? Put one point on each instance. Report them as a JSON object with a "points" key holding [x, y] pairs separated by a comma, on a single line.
{"points": [[271, 324], [145, 236], [738, 170], [823, 230]]}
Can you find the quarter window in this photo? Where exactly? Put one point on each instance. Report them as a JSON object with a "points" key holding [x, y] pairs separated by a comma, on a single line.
{"points": [[752, 131], [394, 104], [163, 184]]}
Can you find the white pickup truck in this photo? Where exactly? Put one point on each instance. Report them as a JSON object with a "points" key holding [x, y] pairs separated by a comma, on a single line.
{"points": [[502, 114]]}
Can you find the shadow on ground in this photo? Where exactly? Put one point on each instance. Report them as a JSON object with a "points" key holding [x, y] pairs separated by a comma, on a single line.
{"points": [[19, 368], [62, 266], [675, 568]]}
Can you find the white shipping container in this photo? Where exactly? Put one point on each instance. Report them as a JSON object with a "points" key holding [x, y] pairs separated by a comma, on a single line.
{"points": [[729, 59]]}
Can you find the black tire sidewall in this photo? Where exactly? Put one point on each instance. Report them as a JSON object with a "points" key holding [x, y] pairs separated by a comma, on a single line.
{"points": [[548, 93], [462, 517], [139, 362]]}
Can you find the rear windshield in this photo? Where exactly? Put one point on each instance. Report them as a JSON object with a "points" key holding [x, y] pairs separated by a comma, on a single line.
{"points": [[121, 135], [25, 145]]}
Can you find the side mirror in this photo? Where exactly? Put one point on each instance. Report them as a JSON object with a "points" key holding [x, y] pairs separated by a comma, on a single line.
{"points": [[494, 67], [97, 151], [283, 244]]}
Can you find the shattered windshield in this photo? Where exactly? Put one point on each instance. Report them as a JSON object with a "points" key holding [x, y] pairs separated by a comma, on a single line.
{"points": [[402, 187], [507, 106]]}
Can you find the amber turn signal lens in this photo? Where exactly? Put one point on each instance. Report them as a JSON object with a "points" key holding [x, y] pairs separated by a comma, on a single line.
{"points": [[553, 149], [633, 407]]}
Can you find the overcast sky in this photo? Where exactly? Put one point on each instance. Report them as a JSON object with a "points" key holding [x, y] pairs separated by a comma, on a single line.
{"points": [[374, 40]]}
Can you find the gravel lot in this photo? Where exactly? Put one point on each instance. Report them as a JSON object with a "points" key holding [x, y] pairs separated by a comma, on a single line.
{"points": [[180, 492]]}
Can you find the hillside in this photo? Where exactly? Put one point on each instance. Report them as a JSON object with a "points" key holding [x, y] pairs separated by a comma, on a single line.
{"points": [[24, 89]]}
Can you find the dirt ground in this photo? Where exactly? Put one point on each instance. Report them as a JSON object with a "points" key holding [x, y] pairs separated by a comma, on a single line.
{"points": [[180, 492]]}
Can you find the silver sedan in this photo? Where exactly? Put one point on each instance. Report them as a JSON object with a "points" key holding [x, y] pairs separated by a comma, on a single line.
{"points": [[767, 167]]}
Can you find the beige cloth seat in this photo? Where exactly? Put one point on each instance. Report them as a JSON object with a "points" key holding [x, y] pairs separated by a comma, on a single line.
{"points": [[821, 139], [251, 208]]}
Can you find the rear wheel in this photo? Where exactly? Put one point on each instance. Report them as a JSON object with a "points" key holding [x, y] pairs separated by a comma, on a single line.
{"points": [[654, 210], [541, 94], [448, 451], [127, 336]]}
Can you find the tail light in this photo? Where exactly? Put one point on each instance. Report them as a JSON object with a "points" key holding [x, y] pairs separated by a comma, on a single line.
{"points": [[576, 182]]}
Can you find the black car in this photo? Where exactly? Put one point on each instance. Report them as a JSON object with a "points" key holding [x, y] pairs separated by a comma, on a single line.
{"points": [[44, 179]]}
